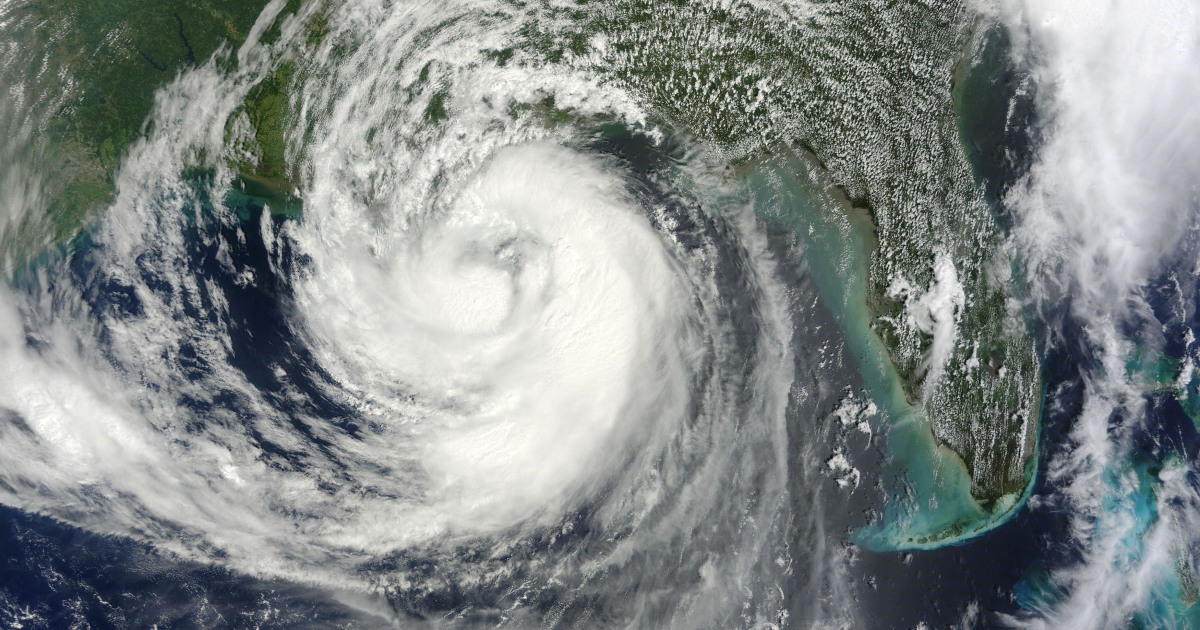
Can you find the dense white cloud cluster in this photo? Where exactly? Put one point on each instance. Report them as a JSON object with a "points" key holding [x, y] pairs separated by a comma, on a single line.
{"points": [[1109, 201], [486, 333]]}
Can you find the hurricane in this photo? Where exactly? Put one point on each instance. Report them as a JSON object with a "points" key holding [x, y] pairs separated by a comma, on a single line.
{"points": [[484, 335], [585, 313]]}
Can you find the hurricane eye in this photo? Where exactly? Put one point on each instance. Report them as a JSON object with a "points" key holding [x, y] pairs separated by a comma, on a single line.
{"points": [[600, 313]]}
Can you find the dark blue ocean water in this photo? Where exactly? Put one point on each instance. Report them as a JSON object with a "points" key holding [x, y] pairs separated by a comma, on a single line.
{"points": [[54, 575]]}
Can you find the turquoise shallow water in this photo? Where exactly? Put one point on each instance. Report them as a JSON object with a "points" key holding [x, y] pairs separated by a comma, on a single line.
{"points": [[927, 485], [933, 554]]}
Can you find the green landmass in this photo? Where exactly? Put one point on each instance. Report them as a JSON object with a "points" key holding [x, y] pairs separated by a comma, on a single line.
{"points": [[95, 68], [868, 88]]}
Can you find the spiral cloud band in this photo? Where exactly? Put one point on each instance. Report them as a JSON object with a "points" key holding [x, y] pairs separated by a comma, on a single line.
{"points": [[523, 354]]}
